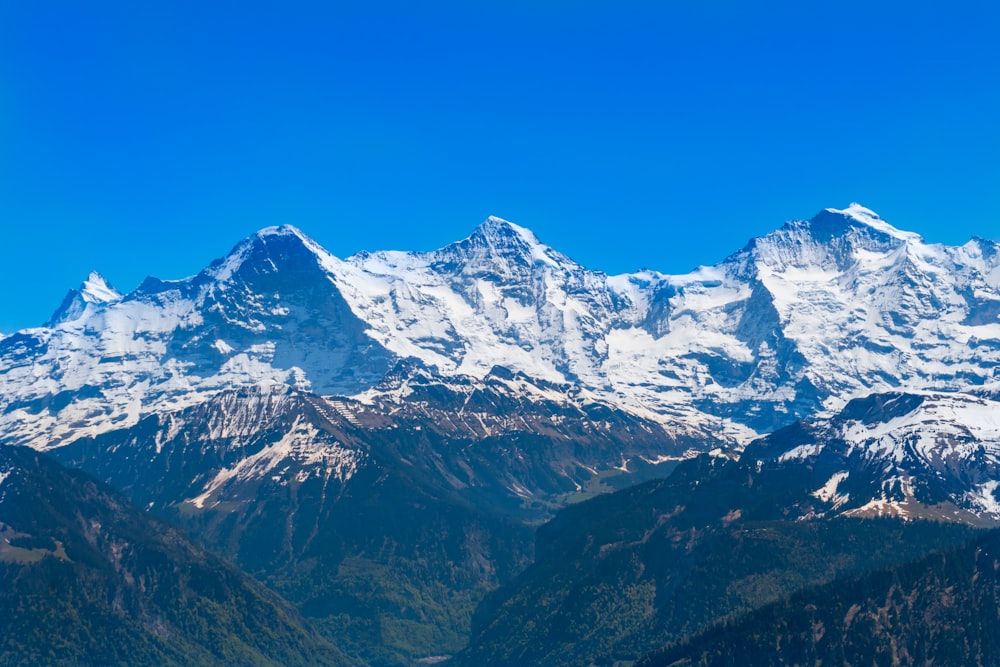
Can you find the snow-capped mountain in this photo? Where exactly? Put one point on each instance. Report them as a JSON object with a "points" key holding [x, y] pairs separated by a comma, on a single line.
{"points": [[898, 454], [818, 312], [266, 314], [497, 298], [797, 322], [94, 291], [398, 417]]}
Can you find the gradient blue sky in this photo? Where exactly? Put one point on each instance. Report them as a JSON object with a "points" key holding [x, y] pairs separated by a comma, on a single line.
{"points": [[147, 138]]}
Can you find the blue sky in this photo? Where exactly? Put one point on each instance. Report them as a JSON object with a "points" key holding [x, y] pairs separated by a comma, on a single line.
{"points": [[147, 138]]}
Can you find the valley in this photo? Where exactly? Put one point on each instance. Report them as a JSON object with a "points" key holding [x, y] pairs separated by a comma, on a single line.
{"points": [[490, 454]]}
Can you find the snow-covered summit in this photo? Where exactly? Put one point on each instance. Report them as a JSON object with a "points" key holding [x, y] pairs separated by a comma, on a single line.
{"points": [[833, 240], [497, 297], [501, 247], [95, 290], [269, 249], [801, 320], [868, 217], [282, 230], [499, 232]]}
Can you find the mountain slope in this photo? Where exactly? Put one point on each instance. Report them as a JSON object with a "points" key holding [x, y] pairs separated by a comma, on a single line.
{"points": [[799, 321], [663, 560], [929, 455], [940, 609], [425, 486], [88, 579], [264, 315], [399, 416], [824, 310], [354, 524], [623, 574]]}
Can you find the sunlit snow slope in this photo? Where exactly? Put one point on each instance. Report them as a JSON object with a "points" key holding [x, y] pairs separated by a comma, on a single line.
{"points": [[898, 454], [794, 324]]}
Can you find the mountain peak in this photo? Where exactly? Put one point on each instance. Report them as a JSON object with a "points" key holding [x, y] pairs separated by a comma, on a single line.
{"points": [[94, 290], [278, 231], [857, 211], [504, 233], [859, 214], [280, 239], [834, 231], [268, 249], [498, 240]]}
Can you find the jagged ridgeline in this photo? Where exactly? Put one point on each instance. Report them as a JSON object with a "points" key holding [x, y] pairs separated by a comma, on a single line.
{"points": [[799, 320], [378, 437]]}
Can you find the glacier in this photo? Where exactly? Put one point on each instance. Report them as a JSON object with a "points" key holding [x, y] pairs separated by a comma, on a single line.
{"points": [[795, 324]]}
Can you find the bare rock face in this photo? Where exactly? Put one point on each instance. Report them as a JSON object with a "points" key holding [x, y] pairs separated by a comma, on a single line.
{"points": [[402, 415]]}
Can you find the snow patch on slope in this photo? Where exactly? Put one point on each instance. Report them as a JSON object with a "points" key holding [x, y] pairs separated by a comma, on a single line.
{"points": [[941, 427], [299, 445], [984, 497], [828, 492]]}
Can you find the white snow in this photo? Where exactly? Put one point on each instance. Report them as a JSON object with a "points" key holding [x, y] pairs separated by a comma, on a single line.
{"points": [[866, 313], [943, 426], [880, 507], [872, 219], [97, 290], [801, 452], [828, 492], [983, 497], [299, 445]]}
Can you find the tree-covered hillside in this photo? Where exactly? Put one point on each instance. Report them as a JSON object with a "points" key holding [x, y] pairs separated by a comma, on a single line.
{"points": [[86, 578]]}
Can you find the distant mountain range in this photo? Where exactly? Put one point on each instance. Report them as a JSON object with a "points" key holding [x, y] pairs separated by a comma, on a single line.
{"points": [[376, 437], [797, 322]]}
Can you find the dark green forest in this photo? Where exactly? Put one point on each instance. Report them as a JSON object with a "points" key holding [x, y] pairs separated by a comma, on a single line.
{"points": [[941, 609], [86, 578]]}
